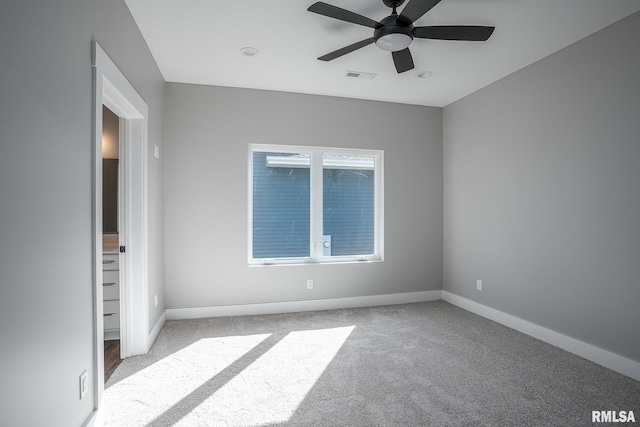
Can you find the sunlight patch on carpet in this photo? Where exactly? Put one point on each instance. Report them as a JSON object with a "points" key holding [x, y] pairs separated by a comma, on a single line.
{"points": [[271, 388], [140, 398]]}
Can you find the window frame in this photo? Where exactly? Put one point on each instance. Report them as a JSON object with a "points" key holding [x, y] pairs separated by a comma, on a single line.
{"points": [[316, 205]]}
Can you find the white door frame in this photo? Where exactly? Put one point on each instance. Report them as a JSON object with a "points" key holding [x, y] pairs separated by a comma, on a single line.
{"points": [[113, 90]]}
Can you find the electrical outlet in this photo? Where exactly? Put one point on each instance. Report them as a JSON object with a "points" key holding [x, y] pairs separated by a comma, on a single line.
{"points": [[309, 284], [84, 384], [156, 151], [479, 285], [156, 301]]}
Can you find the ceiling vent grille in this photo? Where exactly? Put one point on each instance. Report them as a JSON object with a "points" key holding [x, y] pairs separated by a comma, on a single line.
{"points": [[360, 75]]}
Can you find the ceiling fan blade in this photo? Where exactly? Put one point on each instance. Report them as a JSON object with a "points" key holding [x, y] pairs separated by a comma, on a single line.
{"points": [[403, 60], [341, 14], [347, 49], [454, 32], [416, 8]]}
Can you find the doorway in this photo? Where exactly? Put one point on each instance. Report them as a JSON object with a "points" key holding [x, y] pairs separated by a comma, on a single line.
{"points": [[111, 222], [112, 90]]}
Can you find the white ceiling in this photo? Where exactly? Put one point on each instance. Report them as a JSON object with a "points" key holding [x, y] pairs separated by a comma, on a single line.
{"points": [[198, 41]]}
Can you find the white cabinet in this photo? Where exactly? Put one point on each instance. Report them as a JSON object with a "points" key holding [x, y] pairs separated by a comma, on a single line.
{"points": [[111, 295], [110, 261], [110, 285]]}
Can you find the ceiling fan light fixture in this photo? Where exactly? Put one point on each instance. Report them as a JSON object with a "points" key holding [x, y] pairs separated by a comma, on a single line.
{"points": [[394, 42]]}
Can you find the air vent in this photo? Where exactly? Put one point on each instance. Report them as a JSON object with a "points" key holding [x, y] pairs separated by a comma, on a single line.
{"points": [[360, 75]]}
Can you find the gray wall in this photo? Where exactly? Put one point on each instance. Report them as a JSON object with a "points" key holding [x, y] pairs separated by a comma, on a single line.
{"points": [[542, 191], [46, 302], [207, 132]]}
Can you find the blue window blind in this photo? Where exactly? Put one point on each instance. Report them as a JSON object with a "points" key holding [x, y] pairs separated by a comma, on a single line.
{"points": [[281, 205], [349, 209]]}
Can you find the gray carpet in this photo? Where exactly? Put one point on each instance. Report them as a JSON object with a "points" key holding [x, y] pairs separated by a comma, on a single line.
{"points": [[425, 364]]}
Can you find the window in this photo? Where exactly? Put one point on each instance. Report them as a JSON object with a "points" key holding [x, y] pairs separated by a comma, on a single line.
{"points": [[314, 205]]}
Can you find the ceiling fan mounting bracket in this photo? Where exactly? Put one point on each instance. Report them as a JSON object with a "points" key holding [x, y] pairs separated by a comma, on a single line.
{"points": [[392, 3]]}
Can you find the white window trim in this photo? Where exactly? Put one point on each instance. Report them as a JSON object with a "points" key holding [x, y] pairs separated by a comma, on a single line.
{"points": [[335, 162], [344, 158]]}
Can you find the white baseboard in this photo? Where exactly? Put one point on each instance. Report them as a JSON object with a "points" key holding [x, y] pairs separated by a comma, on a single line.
{"points": [[298, 306], [603, 357], [590, 352], [153, 335], [92, 420]]}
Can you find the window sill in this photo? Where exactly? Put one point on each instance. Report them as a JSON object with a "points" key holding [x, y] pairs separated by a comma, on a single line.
{"points": [[311, 262]]}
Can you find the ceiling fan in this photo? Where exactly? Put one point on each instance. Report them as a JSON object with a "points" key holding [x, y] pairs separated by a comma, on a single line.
{"points": [[396, 32]]}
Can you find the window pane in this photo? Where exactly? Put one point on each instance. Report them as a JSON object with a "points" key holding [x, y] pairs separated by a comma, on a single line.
{"points": [[348, 205], [281, 205]]}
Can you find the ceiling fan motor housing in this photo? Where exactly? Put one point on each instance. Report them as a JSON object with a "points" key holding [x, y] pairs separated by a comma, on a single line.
{"points": [[393, 33]]}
